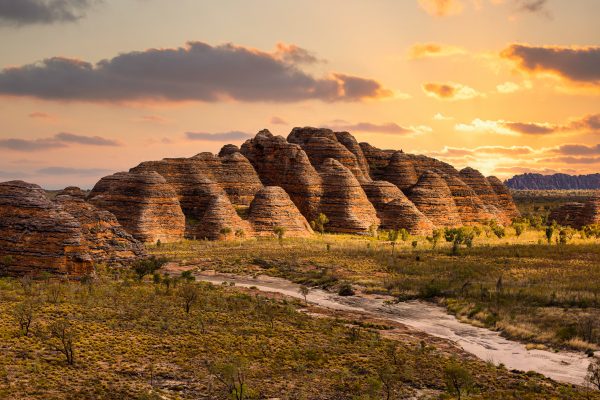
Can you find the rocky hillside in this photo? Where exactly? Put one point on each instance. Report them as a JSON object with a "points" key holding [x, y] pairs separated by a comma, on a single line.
{"points": [[269, 182], [554, 182]]}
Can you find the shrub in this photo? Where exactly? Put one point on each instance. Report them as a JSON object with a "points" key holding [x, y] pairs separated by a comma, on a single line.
{"points": [[346, 290], [147, 266], [319, 223]]}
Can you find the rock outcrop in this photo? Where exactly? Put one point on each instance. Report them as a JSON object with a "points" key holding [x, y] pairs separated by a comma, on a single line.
{"points": [[400, 171], [321, 144], [283, 164], [395, 210], [482, 187], [37, 235], [105, 238], [568, 214], [590, 213], [344, 201], [433, 198], [377, 159], [272, 207], [143, 203], [505, 203], [470, 207]]}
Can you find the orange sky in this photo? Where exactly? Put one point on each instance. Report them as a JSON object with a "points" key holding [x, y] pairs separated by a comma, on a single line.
{"points": [[91, 87]]}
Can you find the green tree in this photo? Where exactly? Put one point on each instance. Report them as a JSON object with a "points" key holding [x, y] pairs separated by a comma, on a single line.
{"points": [[549, 233], [279, 232], [319, 223], [189, 294], [393, 236], [304, 290], [458, 379], [519, 229], [435, 237], [62, 337], [148, 266], [232, 375], [25, 313]]}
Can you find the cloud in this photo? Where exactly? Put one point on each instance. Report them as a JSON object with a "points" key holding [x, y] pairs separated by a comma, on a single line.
{"points": [[442, 117], [442, 8], [532, 6], [218, 137], [587, 124], [65, 137], [196, 72], [577, 149], [60, 140], [293, 54], [73, 171], [575, 64], [573, 160], [278, 121], [458, 152], [524, 170], [508, 87], [426, 50], [153, 119], [389, 127], [40, 115], [450, 91], [23, 12]]}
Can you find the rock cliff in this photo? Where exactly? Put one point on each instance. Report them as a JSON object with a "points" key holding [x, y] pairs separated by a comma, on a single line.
{"points": [[272, 207], [531, 181]]}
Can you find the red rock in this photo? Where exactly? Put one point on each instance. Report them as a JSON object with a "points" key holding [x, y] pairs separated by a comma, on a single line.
{"points": [[37, 235], [377, 159], [279, 163], [228, 149], [433, 198], [400, 171], [272, 207], [470, 207], [590, 213], [321, 144], [395, 210], [144, 204], [344, 201], [105, 238], [485, 191], [506, 203], [568, 214]]}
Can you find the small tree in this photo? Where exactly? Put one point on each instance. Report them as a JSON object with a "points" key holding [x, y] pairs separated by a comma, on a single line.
{"points": [[549, 233], [232, 375], [226, 231], [593, 375], [436, 236], [25, 313], [519, 229], [62, 331], [279, 231], [148, 266], [240, 234], [458, 379], [319, 223], [393, 239], [304, 290], [189, 294], [188, 276]]}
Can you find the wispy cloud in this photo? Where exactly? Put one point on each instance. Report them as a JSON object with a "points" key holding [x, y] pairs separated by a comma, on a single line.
{"points": [[587, 124], [73, 171], [389, 128], [442, 8], [450, 91], [24, 12], [428, 50], [60, 140]]}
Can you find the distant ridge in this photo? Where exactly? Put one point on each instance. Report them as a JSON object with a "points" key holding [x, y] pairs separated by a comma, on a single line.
{"points": [[531, 181]]}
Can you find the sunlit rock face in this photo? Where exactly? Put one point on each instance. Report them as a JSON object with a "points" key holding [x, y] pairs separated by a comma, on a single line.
{"points": [[506, 203], [482, 187], [433, 197], [344, 201], [471, 208], [143, 203], [106, 239], [568, 214], [395, 210], [271, 208], [37, 235]]}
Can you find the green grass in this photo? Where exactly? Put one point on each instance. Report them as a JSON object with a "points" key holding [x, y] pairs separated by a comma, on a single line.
{"points": [[133, 340]]}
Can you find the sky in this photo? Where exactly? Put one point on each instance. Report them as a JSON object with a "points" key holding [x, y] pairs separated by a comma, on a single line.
{"points": [[92, 87]]}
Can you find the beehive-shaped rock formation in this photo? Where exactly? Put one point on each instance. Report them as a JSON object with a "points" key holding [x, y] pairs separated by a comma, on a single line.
{"points": [[286, 165], [272, 207], [400, 171], [590, 213], [105, 238], [505, 203], [470, 207], [377, 159], [568, 214], [321, 144], [344, 201], [37, 235], [485, 191], [433, 198], [395, 210], [144, 204]]}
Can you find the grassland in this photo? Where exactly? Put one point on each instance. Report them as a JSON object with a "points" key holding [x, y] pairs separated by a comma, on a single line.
{"points": [[542, 294], [133, 339], [540, 202]]}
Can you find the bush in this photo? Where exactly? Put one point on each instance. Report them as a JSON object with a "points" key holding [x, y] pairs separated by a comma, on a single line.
{"points": [[346, 290], [148, 266]]}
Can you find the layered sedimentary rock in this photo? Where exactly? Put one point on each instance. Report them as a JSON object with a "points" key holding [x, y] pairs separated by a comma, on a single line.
{"points": [[143, 203], [470, 207], [37, 235], [530, 181], [590, 213], [395, 210], [105, 238], [377, 159], [505, 203], [272, 207], [232, 172], [279, 163], [228, 149], [432, 196], [344, 201], [400, 171], [321, 144], [482, 187], [73, 191], [568, 214]]}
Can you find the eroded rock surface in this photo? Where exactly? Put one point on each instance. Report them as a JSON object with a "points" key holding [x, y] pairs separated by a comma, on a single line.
{"points": [[272, 207], [143, 203], [37, 235], [433, 198]]}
